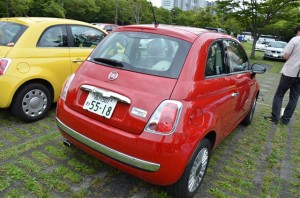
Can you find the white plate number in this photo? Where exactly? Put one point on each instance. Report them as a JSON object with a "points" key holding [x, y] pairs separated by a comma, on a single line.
{"points": [[100, 105]]}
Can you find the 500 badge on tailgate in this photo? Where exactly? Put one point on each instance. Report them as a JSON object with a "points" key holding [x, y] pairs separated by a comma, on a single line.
{"points": [[100, 105]]}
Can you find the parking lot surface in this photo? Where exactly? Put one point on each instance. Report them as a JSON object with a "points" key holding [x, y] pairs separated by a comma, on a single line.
{"points": [[261, 160]]}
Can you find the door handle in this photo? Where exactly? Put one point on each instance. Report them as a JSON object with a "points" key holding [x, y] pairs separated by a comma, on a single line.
{"points": [[77, 61], [235, 94]]}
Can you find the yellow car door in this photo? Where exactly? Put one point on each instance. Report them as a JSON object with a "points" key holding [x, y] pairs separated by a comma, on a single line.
{"points": [[83, 40]]}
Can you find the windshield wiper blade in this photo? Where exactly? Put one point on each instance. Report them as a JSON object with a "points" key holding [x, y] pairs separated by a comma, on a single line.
{"points": [[109, 62]]}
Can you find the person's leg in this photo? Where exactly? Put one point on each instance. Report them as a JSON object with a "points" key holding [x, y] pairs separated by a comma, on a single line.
{"points": [[282, 88], [292, 104]]}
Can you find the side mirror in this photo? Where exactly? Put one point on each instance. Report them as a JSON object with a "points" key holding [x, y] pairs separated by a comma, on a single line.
{"points": [[257, 69]]}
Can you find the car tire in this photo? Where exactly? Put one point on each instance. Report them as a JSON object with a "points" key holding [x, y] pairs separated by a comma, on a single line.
{"points": [[189, 183], [31, 102], [248, 119]]}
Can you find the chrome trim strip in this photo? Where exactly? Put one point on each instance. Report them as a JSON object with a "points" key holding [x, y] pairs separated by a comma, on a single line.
{"points": [[129, 160], [106, 94]]}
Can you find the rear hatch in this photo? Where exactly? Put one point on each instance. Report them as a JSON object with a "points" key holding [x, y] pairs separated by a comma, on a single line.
{"points": [[138, 70]]}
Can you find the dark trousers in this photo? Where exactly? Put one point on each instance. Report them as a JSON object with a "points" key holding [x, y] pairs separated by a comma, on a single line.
{"points": [[286, 83]]}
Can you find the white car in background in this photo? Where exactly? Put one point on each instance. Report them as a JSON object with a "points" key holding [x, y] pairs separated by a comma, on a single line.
{"points": [[261, 45], [274, 50]]}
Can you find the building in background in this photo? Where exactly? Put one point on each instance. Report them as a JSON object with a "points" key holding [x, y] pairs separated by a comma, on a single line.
{"points": [[186, 5]]}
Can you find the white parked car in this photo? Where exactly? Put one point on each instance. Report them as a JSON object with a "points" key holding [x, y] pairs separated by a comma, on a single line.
{"points": [[261, 45], [274, 50]]}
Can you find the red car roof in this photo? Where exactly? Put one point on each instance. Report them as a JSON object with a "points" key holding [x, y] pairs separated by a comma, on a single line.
{"points": [[182, 32]]}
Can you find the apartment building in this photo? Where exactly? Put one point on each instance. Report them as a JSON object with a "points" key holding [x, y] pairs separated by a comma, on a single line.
{"points": [[186, 4]]}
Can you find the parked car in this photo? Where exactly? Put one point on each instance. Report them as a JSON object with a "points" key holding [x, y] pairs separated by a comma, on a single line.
{"points": [[274, 50], [158, 114], [108, 27], [261, 45], [36, 57]]}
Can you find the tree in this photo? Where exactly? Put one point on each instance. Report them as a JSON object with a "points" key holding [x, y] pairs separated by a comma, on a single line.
{"points": [[163, 15], [205, 17], [20, 7], [255, 15], [83, 10], [46, 8]]}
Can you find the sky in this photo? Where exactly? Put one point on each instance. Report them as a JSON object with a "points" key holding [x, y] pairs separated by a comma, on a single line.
{"points": [[156, 3]]}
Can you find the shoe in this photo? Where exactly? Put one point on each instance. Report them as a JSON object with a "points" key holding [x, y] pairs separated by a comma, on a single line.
{"points": [[284, 122], [270, 119]]}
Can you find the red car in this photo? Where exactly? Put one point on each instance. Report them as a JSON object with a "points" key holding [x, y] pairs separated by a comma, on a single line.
{"points": [[154, 101]]}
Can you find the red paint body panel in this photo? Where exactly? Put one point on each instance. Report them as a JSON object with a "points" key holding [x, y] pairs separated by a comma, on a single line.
{"points": [[208, 107]]}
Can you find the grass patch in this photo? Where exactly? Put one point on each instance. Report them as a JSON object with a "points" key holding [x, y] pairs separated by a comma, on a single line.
{"points": [[81, 167], [21, 148], [42, 157], [68, 174], [59, 153]]}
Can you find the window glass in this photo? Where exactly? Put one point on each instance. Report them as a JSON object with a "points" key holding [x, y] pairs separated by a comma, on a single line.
{"points": [[214, 63], [236, 57], [143, 52], [10, 32], [55, 36], [86, 36]]}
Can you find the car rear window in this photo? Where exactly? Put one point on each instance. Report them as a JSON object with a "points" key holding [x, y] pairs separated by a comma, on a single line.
{"points": [[10, 32], [142, 52]]}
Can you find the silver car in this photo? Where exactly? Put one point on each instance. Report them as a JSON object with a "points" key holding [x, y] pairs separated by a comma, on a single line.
{"points": [[274, 50]]}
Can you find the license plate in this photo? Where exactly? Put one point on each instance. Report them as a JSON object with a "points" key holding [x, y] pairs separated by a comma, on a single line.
{"points": [[275, 55], [100, 105]]}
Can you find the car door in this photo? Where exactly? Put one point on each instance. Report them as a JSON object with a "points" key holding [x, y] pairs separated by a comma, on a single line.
{"points": [[240, 73], [52, 54], [83, 40], [220, 89]]}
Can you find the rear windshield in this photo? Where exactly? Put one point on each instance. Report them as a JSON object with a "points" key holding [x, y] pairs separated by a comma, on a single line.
{"points": [[142, 52], [10, 32]]}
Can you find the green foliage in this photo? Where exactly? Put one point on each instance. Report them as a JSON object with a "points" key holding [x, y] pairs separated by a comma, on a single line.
{"points": [[256, 15], [20, 7]]}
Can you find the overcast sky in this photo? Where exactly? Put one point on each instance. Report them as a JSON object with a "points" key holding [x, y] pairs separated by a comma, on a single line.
{"points": [[156, 3]]}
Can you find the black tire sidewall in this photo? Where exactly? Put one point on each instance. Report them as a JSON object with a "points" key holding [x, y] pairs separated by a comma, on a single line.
{"points": [[248, 119], [180, 188], [17, 109]]}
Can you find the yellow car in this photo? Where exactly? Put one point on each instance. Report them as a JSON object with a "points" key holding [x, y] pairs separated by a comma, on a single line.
{"points": [[36, 56]]}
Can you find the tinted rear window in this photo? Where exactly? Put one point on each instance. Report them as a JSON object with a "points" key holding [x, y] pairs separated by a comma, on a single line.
{"points": [[142, 52], [10, 32]]}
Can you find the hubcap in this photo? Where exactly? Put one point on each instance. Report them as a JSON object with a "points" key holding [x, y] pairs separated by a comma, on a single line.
{"points": [[198, 170], [34, 102]]}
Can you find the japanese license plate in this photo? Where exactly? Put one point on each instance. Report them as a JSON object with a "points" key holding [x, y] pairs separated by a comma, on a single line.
{"points": [[275, 55], [100, 105]]}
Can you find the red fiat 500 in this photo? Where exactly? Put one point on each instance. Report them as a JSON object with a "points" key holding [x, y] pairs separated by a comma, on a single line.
{"points": [[154, 101]]}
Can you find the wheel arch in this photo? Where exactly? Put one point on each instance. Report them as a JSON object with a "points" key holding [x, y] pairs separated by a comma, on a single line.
{"points": [[46, 83], [211, 136]]}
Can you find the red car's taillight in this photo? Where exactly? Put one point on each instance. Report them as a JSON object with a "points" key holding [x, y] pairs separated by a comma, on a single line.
{"points": [[66, 85], [4, 63], [164, 119]]}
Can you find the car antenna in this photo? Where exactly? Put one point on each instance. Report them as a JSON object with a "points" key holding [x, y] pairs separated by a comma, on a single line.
{"points": [[155, 21]]}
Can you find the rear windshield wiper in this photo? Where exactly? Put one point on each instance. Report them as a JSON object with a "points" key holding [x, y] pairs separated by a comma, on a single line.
{"points": [[109, 62]]}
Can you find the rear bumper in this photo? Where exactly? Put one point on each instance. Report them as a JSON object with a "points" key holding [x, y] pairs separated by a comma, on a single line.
{"points": [[119, 156], [154, 158]]}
